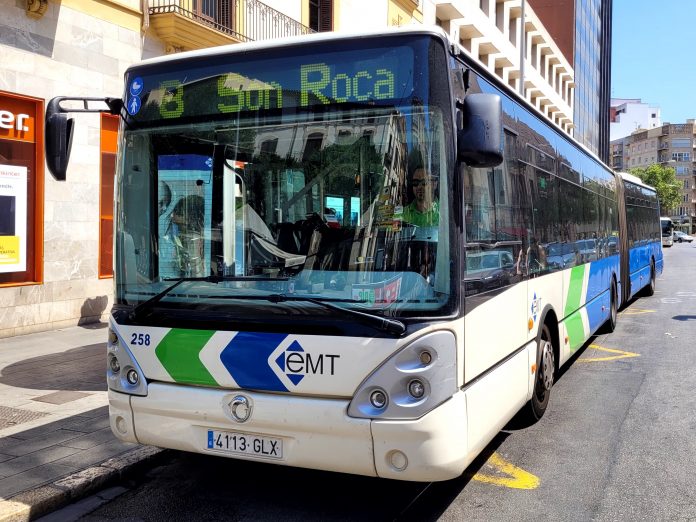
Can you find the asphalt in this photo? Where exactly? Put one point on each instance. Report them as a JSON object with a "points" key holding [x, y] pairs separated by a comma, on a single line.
{"points": [[56, 445]]}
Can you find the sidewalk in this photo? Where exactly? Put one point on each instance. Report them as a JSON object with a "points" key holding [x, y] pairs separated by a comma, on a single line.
{"points": [[55, 441]]}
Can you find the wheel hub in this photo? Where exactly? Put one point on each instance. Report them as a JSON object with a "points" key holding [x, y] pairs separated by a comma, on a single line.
{"points": [[547, 365]]}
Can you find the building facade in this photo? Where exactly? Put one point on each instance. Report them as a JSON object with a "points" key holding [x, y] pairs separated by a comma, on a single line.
{"points": [[588, 23], [629, 115], [669, 145], [56, 237]]}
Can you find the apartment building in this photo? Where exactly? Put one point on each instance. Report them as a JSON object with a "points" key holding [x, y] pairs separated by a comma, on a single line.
{"points": [[670, 145], [628, 115], [56, 237]]}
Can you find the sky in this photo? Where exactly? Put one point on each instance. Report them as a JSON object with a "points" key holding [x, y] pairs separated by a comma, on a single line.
{"points": [[653, 55]]}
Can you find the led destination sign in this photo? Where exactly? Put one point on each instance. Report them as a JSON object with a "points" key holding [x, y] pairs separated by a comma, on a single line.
{"points": [[378, 77]]}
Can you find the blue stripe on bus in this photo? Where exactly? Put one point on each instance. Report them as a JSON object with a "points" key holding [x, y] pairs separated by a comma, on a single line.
{"points": [[246, 358], [639, 264], [598, 295]]}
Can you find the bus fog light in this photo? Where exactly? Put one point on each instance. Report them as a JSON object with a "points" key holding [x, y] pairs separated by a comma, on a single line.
{"points": [[425, 358], [113, 338], [398, 460], [378, 399], [114, 365], [132, 377], [416, 389], [121, 425]]}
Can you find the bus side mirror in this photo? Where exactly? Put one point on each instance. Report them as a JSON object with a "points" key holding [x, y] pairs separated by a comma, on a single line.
{"points": [[58, 139], [479, 142]]}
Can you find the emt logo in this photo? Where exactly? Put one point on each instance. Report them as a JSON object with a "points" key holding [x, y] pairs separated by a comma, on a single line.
{"points": [[295, 363]]}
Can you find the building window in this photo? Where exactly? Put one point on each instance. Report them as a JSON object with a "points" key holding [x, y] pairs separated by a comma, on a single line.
{"points": [[321, 15], [21, 189], [109, 134], [683, 143]]}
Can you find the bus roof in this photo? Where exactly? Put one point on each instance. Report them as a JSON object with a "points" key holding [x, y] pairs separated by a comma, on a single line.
{"points": [[305, 39], [635, 180]]}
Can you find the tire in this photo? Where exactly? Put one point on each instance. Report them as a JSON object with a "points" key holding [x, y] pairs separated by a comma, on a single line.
{"points": [[546, 368], [610, 325], [650, 289]]}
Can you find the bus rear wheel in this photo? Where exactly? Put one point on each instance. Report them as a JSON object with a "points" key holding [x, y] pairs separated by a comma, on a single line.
{"points": [[546, 367], [650, 288]]}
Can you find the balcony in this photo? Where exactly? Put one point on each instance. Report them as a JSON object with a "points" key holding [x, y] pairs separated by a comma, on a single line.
{"points": [[196, 24]]}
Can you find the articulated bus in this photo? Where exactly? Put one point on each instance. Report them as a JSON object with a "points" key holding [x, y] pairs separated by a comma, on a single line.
{"points": [[667, 226], [361, 253]]}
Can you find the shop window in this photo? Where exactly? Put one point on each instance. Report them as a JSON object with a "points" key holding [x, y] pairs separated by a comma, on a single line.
{"points": [[21, 189], [109, 134]]}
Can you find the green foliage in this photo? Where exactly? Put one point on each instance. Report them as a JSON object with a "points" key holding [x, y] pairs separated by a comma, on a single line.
{"points": [[665, 182]]}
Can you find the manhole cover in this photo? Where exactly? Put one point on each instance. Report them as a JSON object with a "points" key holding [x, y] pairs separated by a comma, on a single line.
{"points": [[13, 416]]}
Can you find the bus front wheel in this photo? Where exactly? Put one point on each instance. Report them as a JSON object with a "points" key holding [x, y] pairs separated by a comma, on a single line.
{"points": [[610, 325], [546, 367]]}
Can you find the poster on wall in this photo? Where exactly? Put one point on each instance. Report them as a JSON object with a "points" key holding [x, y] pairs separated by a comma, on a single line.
{"points": [[13, 218]]}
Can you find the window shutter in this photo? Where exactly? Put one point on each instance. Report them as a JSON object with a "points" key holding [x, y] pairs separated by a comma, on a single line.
{"points": [[326, 15]]}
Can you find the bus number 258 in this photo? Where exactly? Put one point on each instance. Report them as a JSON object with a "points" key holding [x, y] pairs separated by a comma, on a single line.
{"points": [[138, 339]]}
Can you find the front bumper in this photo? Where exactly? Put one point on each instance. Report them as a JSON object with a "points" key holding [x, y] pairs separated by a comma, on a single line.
{"points": [[317, 433]]}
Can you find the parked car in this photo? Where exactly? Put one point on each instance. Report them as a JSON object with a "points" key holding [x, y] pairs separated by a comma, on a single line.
{"points": [[587, 249], [488, 270], [561, 255], [680, 237]]}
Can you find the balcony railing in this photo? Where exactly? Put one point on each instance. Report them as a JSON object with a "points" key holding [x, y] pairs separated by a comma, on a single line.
{"points": [[243, 20]]}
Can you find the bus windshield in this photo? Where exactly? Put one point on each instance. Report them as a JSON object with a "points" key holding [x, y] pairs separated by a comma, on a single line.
{"points": [[667, 226], [278, 187]]}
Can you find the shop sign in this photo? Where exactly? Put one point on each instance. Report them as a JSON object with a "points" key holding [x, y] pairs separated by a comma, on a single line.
{"points": [[17, 119], [13, 218]]}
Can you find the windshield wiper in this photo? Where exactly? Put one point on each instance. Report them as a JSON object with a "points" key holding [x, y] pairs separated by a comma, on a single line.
{"points": [[392, 326], [137, 310]]}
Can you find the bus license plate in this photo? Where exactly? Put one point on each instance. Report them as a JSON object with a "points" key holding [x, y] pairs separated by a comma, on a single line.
{"points": [[245, 444]]}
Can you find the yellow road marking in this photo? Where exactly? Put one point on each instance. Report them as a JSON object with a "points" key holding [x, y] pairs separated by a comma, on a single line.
{"points": [[622, 354], [637, 311], [513, 477]]}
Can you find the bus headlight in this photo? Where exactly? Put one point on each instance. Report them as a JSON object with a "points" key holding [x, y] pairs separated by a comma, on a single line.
{"points": [[123, 374], [411, 382]]}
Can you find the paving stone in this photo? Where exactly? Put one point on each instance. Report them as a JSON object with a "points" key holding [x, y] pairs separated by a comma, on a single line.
{"points": [[33, 460], [90, 440], [24, 447], [90, 425], [30, 504], [42, 431], [98, 412], [61, 397], [33, 478], [96, 455]]}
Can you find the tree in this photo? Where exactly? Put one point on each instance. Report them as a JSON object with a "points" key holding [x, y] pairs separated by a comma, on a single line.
{"points": [[665, 182]]}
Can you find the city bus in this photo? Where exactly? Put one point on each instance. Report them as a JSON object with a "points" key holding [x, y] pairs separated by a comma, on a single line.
{"points": [[667, 226], [356, 253]]}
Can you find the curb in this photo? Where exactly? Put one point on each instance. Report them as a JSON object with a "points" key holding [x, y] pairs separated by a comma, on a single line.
{"points": [[45, 499]]}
